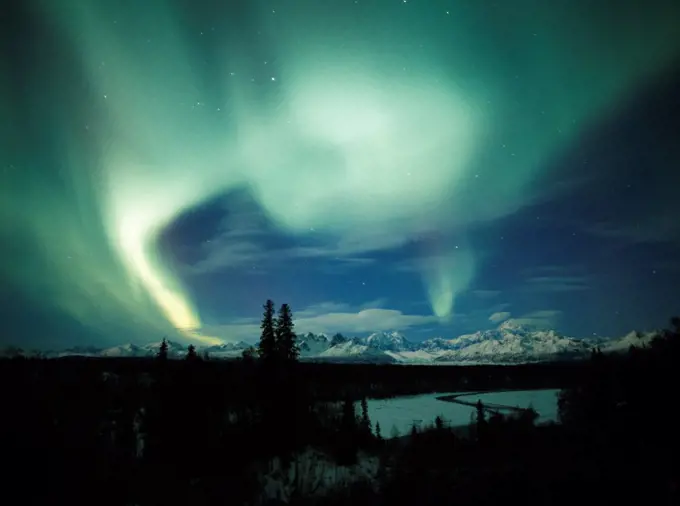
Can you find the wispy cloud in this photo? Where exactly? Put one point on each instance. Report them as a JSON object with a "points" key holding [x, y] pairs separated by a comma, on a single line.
{"points": [[223, 254], [556, 278], [329, 317], [321, 309], [375, 304], [499, 317], [236, 250], [546, 318], [365, 320]]}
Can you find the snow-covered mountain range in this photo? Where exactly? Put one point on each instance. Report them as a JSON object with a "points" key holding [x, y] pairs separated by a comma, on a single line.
{"points": [[509, 343]]}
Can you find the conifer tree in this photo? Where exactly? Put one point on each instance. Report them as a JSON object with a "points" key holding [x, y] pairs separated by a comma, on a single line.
{"points": [[163, 350], [481, 419], [191, 353], [286, 340], [365, 420], [267, 347], [378, 433], [348, 434], [349, 417], [249, 354]]}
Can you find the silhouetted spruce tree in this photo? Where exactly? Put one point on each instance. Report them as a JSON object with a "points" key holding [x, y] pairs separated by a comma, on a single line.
{"points": [[365, 420], [378, 434], [438, 423], [481, 420], [267, 348], [249, 354], [349, 417], [347, 441], [163, 350], [286, 340], [191, 353]]}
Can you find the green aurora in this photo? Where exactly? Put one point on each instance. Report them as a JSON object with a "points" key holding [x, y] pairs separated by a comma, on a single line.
{"points": [[374, 122]]}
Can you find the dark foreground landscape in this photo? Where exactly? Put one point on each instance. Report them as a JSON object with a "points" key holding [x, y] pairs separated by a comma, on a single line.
{"points": [[164, 432]]}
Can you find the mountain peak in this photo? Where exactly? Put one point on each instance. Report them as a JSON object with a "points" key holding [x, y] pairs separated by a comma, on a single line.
{"points": [[388, 341], [511, 342], [514, 325]]}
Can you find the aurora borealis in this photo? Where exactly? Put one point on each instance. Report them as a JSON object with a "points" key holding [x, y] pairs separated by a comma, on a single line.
{"points": [[168, 165]]}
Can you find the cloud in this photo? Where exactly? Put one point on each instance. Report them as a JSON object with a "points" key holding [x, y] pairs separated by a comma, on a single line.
{"points": [[224, 254], [556, 278], [546, 318], [375, 304], [245, 241], [230, 251], [366, 320], [329, 318], [499, 316], [322, 308]]}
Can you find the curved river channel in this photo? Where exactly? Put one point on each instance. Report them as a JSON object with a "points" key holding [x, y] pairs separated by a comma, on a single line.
{"points": [[397, 415]]}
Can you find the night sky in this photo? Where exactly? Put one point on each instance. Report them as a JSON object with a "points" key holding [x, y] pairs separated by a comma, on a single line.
{"points": [[433, 167]]}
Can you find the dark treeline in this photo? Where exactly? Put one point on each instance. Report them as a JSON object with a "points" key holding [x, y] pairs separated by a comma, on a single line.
{"points": [[194, 431]]}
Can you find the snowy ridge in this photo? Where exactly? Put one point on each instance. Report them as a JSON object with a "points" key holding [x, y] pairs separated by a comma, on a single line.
{"points": [[175, 350], [509, 343]]}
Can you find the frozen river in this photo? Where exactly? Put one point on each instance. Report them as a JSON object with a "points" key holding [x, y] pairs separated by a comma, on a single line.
{"points": [[400, 413]]}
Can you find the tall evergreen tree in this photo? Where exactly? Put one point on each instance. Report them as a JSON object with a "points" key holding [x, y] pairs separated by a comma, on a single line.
{"points": [[286, 340], [481, 420], [163, 350], [249, 354], [191, 353], [348, 422], [365, 420], [267, 347], [347, 441]]}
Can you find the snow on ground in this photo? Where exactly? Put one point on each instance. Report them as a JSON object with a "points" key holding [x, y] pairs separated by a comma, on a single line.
{"points": [[402, 412], [318, 476], [543, 401]]}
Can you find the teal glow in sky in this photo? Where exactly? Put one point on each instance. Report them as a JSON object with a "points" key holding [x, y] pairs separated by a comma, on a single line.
{"points": [[357, 130]]}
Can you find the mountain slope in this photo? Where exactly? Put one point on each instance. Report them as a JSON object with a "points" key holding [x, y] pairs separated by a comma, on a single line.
{"points": [[509, 343]]}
